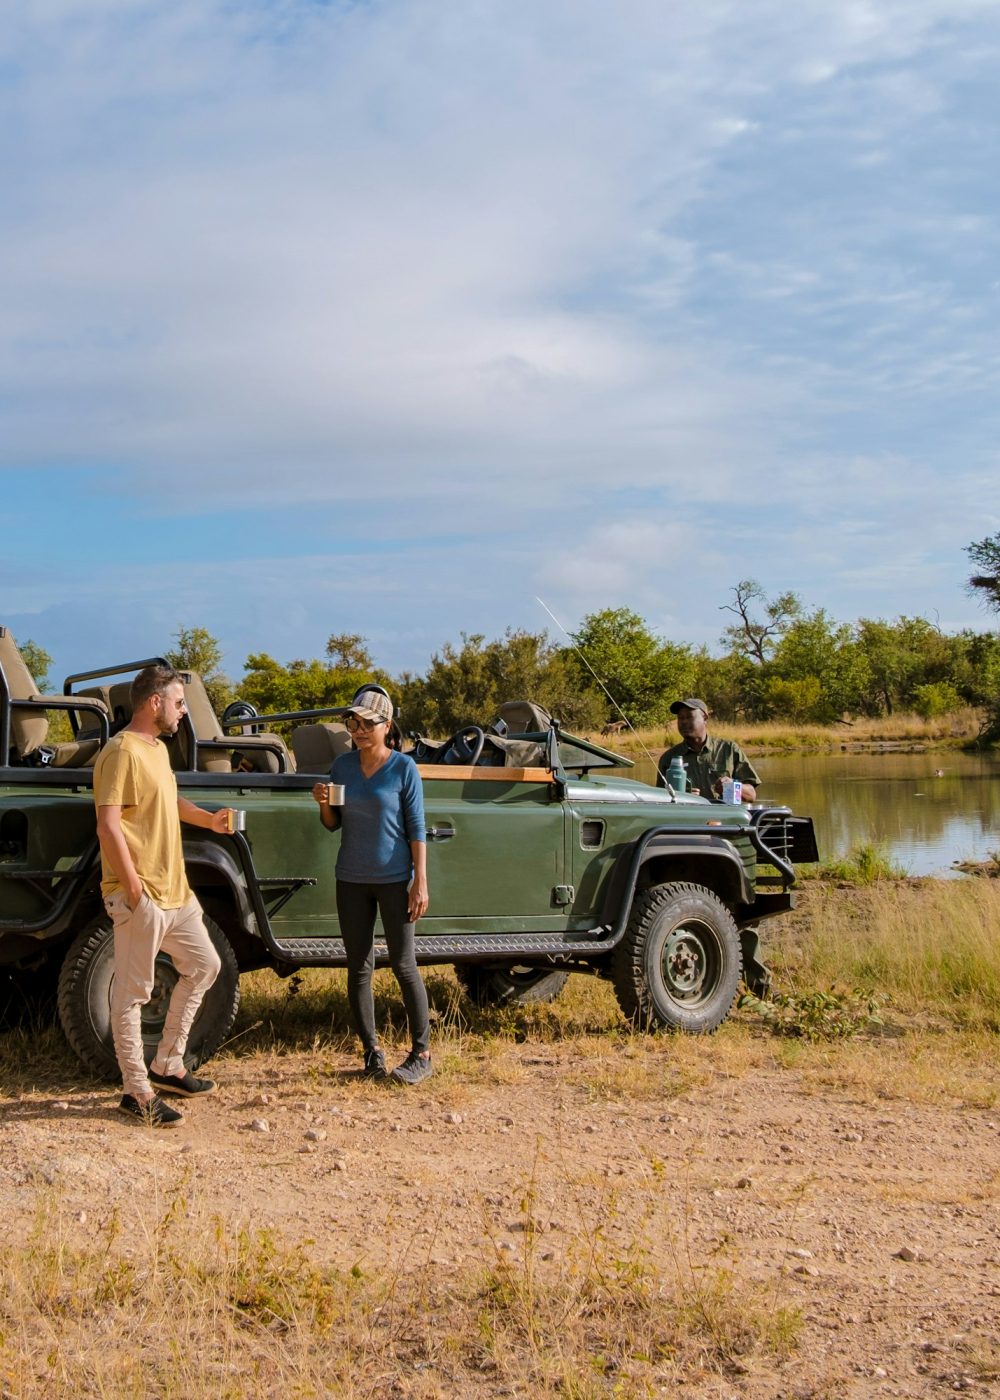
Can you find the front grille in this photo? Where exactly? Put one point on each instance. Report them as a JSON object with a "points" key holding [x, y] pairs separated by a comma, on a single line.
{"points": [[791, 839]]}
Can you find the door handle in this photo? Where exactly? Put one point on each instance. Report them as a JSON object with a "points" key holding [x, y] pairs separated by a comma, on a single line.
{"points": [[440, 833]]}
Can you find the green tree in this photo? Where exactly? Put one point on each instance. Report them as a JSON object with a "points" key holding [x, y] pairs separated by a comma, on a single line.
{"points": [[901, 657], [890, 664], [724, 682], [348, 651], [820, 657], [974, 657], [308, 684], [197, 650], [985, 582], [469, 683], [753, 635], [38, 662], [799, 700], [642, 673], [935, 699]]}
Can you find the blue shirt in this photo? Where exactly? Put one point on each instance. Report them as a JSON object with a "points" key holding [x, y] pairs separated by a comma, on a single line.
{"points": [[381, 815]]}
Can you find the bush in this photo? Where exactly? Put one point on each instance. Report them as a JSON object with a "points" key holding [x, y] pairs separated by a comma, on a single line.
{"points": [[799, 700], [938, 698]]}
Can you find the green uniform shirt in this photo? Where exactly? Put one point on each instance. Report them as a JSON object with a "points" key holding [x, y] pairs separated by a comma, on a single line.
{"points": [[720, 758]]}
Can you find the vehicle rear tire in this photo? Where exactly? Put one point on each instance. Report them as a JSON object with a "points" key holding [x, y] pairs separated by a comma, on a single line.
{"points": [[85, 1000], [509, 986], [679, 963]]}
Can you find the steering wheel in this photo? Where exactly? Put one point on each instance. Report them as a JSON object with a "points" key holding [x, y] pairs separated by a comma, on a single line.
{"points": [[240, 712], [464, 747]]}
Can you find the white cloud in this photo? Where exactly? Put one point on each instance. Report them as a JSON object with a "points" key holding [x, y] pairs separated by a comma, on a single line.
{"points": [[589, 278]]}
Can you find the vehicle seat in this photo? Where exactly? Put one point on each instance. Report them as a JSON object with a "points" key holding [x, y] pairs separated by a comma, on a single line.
{"points": [[120, 703], [315, 746], [525, 717], [89, 729], [29, 722], [219, 752]]}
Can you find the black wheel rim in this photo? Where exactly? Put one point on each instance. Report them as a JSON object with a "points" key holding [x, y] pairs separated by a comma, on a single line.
{"points": [[154, 1013], [691, 963], [521, 976]]}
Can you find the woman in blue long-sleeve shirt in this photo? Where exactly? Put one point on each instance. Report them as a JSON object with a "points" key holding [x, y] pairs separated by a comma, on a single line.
{"points": [[381, 870]]}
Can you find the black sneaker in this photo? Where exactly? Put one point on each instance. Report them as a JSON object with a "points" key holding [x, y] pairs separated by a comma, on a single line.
{"points": [[374, 1065], [413, 1069], [154, 1113], [184, 1084]]}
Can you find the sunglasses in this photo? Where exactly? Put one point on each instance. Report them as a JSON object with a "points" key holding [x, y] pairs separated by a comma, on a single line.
{"points": [[353, 724]]}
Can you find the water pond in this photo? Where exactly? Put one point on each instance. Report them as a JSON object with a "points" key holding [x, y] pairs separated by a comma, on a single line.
{"points": [[928, 810]]}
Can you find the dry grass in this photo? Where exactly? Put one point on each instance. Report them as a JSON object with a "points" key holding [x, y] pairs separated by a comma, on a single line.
{"points": [[191, 1306], [928, 951], [173, 1301], [927, 946], [961, 727]]}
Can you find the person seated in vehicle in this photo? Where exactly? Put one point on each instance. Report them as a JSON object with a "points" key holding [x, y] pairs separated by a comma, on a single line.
{"points": [[707, 760]]}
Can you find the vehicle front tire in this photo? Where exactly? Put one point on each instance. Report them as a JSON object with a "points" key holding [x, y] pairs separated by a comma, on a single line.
{"points": [[509, 986], [85, 1000], [679, 964]]}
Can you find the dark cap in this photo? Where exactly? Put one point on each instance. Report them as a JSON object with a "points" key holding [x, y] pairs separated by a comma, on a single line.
{"points": [[690, 704]]}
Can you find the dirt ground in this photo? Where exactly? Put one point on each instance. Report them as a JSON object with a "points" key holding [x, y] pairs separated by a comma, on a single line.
{"points": [[878, 1219]]}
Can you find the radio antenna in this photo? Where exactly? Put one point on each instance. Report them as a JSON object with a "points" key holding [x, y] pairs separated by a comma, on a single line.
{"points": [[576, 647]]}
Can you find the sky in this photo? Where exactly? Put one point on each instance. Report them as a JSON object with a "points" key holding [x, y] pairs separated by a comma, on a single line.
{"points": [[394, 317]]}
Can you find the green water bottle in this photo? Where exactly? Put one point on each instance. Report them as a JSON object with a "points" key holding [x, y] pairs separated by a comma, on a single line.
{"points": [[677, 774]]}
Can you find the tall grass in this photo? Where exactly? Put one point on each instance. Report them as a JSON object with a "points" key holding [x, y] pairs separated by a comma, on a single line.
{"points": [[928, 946], [961, 727], [931, 946], [866, 863]]}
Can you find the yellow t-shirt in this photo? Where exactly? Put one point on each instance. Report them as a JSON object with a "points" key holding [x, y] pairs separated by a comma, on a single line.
{"points": [[134, 774]]}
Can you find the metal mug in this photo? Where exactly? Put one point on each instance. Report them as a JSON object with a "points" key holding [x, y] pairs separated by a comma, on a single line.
{"points": [[236, 820], [335, 794]]}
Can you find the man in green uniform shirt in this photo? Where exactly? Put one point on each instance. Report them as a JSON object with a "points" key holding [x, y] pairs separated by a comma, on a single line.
{"points": [[707, 760]]}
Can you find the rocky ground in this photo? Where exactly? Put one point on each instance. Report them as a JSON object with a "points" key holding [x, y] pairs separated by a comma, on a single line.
{"points": [[877, 1219]]}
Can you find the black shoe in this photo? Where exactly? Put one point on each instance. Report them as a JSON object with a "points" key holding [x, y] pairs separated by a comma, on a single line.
{"points": [[413, 1069], [184, 1084], [154, 1112], [374, 1065]]}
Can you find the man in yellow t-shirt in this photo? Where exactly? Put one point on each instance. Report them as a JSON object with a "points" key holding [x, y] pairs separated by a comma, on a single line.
{"points": [[148, 898]]}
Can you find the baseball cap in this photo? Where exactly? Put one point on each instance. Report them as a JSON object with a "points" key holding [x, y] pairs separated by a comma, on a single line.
{"points": [[371, 704], [690, 704]]}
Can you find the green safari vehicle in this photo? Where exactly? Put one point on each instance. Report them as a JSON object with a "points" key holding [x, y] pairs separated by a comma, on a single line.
{"points": [[542, 860]]}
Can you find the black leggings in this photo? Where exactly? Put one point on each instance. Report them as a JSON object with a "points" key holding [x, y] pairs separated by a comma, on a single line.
{"points": [[357, 906]]}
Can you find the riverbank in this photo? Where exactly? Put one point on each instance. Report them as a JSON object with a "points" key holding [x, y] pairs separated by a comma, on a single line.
{"points": [[794, 1207], [894, 733]]}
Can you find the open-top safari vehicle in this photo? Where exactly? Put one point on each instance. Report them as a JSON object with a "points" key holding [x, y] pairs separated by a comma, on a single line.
{"points": [[542, 860]]}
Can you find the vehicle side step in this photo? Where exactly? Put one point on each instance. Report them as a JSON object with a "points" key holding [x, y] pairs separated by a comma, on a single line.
{"points": [[443, 948]]}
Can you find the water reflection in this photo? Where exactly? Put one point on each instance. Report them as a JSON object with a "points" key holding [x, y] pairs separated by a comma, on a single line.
{"points": [[925, 822]]}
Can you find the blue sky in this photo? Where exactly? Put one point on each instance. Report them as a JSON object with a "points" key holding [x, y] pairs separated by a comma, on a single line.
{"points": [[387, 317]]}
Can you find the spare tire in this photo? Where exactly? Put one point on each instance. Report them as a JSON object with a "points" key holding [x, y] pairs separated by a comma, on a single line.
{"points": [[509, 986]]}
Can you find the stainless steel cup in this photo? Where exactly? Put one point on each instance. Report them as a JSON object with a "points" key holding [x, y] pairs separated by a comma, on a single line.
{"points": [[236, 820], [335, 794]]}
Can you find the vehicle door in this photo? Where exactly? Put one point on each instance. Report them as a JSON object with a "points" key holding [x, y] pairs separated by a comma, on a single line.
{"points": [[496, 856]]}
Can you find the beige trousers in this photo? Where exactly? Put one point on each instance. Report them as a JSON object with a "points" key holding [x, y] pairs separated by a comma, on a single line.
{"points": [[140, 934]]}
